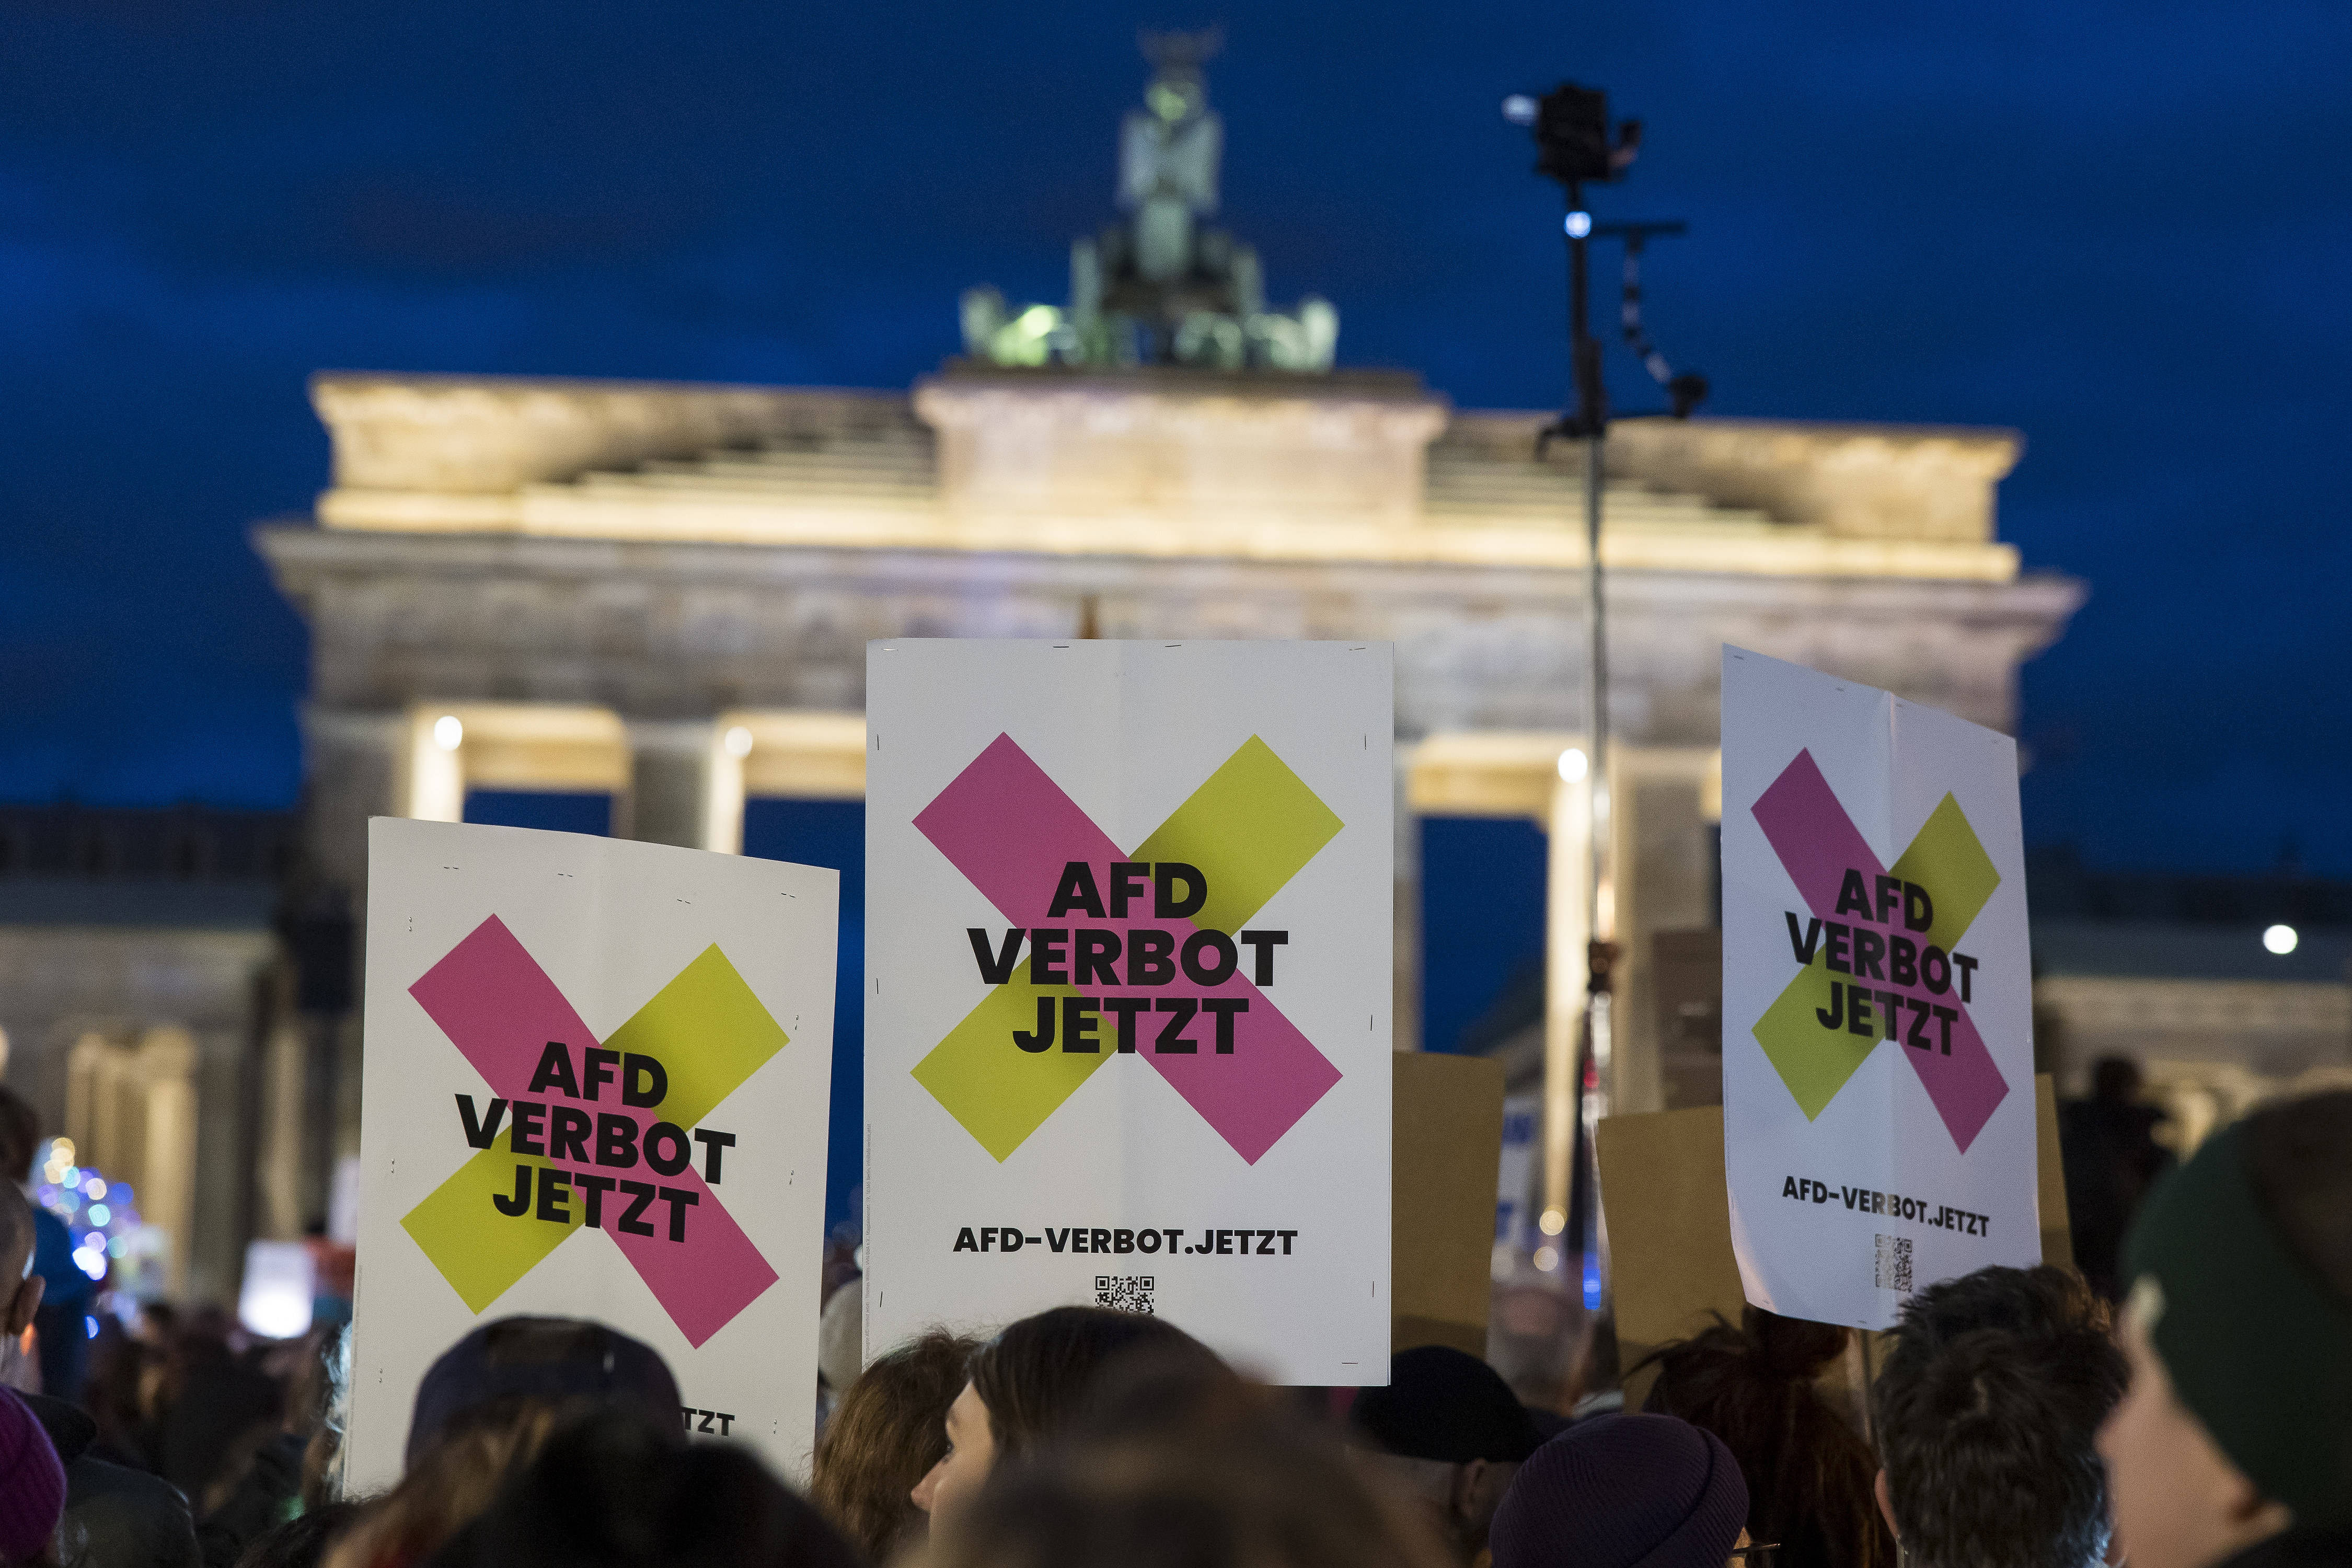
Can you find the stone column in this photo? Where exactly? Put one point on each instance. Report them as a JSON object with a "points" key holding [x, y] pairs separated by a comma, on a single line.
{"points": [[670, 769], [1567, 972], [282, 1139], [356, 765], [1406, 1015], [1662, 800]]}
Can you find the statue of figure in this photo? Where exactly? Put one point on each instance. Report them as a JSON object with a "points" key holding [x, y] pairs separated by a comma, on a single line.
{"points": [[1168, 154], [1162, 288]]}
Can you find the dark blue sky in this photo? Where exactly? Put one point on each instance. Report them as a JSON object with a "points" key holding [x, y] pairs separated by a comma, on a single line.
{"points": [[2123, 229]]}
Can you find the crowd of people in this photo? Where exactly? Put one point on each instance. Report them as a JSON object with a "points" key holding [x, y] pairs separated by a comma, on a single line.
{"points": [[2014, 1421]]}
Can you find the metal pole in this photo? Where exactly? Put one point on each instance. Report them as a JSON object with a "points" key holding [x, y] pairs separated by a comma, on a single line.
{"points": [[1598, 899], [1592, 423]]}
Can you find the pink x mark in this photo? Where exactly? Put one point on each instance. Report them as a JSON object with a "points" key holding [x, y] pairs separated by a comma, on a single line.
{"points": [[1009, 829], [500, 1009], [1817, 842]]}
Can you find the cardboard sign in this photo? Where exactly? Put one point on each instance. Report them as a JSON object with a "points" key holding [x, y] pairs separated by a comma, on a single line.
{"points": [[596, 1082], [1877, 995], [1672, 1269], [1128, 965], [1448, 1143]]}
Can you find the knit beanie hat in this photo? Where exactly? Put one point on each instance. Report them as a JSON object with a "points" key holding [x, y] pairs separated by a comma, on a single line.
{"points": [[1624, 1491], [2257, 1346], [32, 1482]]}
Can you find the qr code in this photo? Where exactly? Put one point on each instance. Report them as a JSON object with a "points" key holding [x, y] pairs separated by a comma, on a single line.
{"points": [[1125, 1292], [1895, 1263]]}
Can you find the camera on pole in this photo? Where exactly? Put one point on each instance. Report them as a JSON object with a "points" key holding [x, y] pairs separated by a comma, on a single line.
{"points": [[1571, 131]]}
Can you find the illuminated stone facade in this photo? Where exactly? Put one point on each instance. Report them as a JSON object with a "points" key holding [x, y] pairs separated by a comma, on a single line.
{"points": [[601, 581]]}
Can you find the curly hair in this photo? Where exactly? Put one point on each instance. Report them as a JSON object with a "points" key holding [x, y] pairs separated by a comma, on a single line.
{"points": [[1811, 1480]]}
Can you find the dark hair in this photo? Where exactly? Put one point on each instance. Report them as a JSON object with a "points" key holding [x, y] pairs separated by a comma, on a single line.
{"points": [[2116, 1078], [1263, 1494], [883, 1436], [300, 1541], [20, 1134], [621, 1489], [2297, 1154], [1987, 1411], [1811, 1480], [1036, 1376]]}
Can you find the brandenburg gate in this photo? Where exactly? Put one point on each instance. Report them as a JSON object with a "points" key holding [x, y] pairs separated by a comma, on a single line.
{"points": [[663, 592]]}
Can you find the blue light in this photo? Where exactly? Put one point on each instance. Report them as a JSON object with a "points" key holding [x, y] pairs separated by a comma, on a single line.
{"points": [[1580, 223], [90, 1326], [1593, 1282]]}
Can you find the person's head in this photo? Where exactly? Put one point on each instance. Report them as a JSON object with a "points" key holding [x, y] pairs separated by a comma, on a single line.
{"points": [[883, 1436], [32, 1482], [1624, 1491], [2237, 1425], [1986, 1414], [1810, 1478], [2115, 1079], [546, 1361], [1029, 1383], [1448, 1430], [617, 1489], [451, 1482], [20, 1287], [1263, 1494], [300, 1541], [20, 1136]]}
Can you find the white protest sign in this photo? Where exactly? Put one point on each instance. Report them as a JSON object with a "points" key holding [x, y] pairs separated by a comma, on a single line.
{"points": [[1877, 995], [570, 1034], [1515, 1174], [1128, 970]]}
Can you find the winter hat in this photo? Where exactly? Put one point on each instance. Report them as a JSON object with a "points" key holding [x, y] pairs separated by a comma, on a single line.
{"points": [[2257, 1344], [551, 1359], [1446, 1404], [1624, 1491], [32, 1482]]}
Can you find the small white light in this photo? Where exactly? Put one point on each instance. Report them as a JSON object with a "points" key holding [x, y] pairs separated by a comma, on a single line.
{"points": [[1580, 223], [2280, 940], [1553, 1221], [1547, 1258], [1571, 765], [280, 1280], [1519, 108], [449, 731], [739, 741]]}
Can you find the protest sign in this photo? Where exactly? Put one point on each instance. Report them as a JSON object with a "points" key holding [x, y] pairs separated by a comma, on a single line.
{"points": [[1447, 1146], [1878, 1051], [1083, 852], [1515, 1174], [570, 1034]]}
